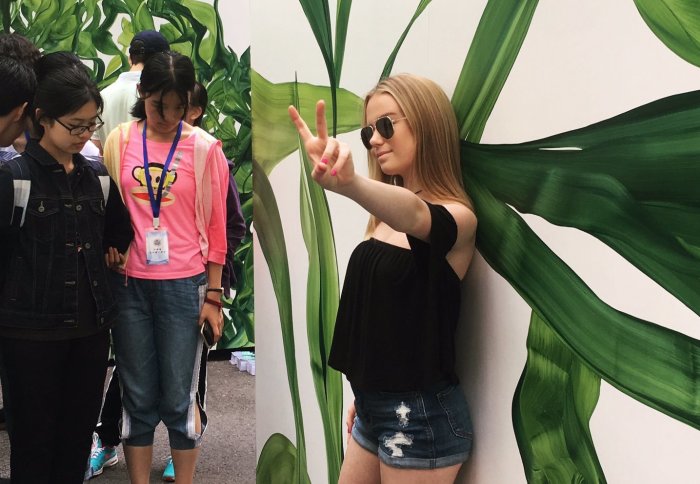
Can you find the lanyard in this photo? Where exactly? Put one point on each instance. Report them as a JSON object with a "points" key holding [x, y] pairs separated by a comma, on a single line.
{"points": [[156, 199]]}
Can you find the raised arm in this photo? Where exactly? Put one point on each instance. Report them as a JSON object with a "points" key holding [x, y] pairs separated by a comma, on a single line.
{"points": [[333, 169]]}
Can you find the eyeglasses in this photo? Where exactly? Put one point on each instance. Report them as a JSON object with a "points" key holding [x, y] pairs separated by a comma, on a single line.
{"points": [[78, 130], [385, 127]]}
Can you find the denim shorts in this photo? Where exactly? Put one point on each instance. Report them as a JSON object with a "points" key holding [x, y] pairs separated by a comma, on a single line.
{"points": [[158, 352], [415, 430]]}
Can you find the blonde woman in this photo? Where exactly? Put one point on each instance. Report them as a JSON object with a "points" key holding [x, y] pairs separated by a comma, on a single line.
{"points": [[394, 334]]}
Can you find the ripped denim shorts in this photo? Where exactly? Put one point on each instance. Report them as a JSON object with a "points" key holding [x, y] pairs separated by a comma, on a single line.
{"points": [[415, 430]]}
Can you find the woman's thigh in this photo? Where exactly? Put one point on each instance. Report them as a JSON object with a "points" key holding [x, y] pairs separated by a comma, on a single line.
{"points": [[360, 466], [134, 344], [177, 334], [396, 475]]}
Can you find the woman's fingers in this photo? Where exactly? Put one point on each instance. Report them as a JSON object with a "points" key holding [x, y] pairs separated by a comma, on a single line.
{"points": [[214, 315], [303, 128], [330, 154], [300, 124], [113, 258], [350, 418], [321, 126], [344, 155]]}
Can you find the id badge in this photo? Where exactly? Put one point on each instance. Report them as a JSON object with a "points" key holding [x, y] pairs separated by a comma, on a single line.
{"points": [[157, 247]]}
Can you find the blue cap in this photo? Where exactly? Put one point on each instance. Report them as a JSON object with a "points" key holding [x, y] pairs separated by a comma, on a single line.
{"points": [[148, 42]]}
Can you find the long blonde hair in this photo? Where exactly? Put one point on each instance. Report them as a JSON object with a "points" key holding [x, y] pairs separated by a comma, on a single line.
{"points": [[432, 120]]}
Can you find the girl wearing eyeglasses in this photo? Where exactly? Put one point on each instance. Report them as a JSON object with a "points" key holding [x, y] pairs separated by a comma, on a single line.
{"points": [[174, 179], [394, 333], [62, 222]]}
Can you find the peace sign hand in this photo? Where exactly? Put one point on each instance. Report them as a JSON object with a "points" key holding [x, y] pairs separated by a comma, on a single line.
{"points": [[332, 165]]}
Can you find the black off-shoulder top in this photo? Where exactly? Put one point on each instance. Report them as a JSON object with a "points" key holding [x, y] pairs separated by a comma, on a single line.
{"points": [[398, 312]]}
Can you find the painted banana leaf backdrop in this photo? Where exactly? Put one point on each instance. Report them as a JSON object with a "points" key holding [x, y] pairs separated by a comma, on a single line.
{"points": [[630, 181], [193, 28]]}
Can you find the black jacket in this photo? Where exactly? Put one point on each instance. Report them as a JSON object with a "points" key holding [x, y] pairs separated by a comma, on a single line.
{"points": [[66, 219]]}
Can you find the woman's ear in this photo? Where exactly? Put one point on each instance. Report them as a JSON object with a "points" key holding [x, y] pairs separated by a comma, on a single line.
{"points": [[19, 112], [39, 116], [193, 113]]}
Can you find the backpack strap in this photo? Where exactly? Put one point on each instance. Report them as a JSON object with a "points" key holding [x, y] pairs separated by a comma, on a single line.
{"points": [[22, 184], [95, 163]]}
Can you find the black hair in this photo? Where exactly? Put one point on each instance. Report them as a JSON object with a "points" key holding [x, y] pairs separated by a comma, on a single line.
{"points": [[17, 83], [63, 86], [199, 99], [138, 53], [165, 72], [19, 48], [59, 60]]}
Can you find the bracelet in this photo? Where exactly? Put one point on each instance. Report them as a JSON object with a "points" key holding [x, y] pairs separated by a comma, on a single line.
{"points": [[216, 289], [213, 302]]}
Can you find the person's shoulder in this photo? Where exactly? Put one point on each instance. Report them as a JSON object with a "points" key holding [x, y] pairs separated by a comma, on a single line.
{"points": [[125, 79], [464, 217], [202, 134]]}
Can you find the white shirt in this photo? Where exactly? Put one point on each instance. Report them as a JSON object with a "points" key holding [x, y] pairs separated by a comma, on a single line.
{"points": [[9, 152], [119, 97]]}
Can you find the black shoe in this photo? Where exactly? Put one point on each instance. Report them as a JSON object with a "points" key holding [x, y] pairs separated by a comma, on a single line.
{"points": [[3, 426]]}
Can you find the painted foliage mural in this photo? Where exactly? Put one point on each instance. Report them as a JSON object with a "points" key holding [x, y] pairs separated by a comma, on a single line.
{"points": [[100, 32], [630, 181]]}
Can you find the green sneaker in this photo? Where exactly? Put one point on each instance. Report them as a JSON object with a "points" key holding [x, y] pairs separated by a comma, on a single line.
{"points": [[100, 457], [169, 472]]}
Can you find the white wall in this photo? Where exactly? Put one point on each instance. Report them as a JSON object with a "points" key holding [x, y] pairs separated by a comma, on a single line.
{"points": [[581, 62]]}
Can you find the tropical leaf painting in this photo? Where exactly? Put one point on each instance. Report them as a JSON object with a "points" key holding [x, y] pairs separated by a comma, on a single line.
{"points": [[193, 28], [630, 181]]}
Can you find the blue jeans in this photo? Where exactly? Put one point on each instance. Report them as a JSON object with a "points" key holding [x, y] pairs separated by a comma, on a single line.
{"points": [[158, 351], [415, 430]]}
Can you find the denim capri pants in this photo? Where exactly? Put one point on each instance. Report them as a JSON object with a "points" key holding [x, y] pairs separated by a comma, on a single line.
{"points": [[158, 350], [425, 429]]}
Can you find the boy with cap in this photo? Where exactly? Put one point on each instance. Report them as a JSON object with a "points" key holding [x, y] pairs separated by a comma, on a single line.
{"points": [[120, 96]]}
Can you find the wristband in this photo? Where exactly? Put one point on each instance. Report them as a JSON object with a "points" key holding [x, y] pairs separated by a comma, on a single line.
{"points": [[216, 289], [213, 302]]}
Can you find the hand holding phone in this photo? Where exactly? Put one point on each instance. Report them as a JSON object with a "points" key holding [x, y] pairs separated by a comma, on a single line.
{"points": [[207, 333]]}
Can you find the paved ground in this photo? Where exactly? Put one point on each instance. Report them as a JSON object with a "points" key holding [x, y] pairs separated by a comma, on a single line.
{"points": [[228, 451]]}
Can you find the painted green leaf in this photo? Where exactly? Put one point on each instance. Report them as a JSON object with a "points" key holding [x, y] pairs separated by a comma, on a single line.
{"points": [[46, 14], [553, 404], [318, 14], [392, 57], [322, 297], [268, 225], [204, 15], [676, 23], [104, 42], [86, 48], [497, 41], [143, 20], [630, 181], [278, 463], [652, 364], [275, 135], [342, 18]]}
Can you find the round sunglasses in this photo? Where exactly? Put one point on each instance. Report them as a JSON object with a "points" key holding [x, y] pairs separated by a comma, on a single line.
{"points": [[383, 125]]}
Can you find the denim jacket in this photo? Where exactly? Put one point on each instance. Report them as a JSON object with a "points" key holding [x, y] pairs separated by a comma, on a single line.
{"points": [[66, 218]]}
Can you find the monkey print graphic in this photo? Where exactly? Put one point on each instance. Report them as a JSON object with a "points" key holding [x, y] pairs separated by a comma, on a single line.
{"points": [[140, 193]]}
